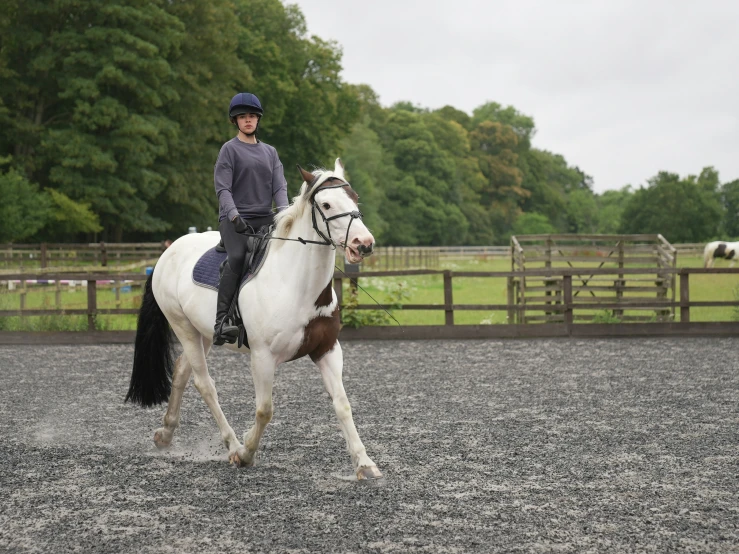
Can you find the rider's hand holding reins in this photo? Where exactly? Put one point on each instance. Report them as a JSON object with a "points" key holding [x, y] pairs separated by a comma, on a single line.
{"points": [[239, 224]]}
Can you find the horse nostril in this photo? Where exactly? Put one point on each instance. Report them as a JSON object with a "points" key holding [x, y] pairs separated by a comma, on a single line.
{"points": [[365, 249]]}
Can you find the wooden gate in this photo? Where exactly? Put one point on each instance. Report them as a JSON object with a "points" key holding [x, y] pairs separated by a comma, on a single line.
{"points": [[652, 253]]}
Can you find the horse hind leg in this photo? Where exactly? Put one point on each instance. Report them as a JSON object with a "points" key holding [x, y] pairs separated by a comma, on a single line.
{"points": [[331, 366], [195, 348], [180, 377]]}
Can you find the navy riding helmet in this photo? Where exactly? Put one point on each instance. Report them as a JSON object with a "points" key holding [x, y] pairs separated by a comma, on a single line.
{"points": [[245, 102]]}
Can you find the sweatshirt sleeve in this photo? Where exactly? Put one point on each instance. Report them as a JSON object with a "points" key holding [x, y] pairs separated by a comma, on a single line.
{"points": [[279, 185], [223, 179]]}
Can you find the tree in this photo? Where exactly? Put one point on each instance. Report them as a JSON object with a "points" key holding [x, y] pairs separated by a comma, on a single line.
{"points": [[679, 209], [24, 209], [611, 204], [533, 224], [366, 163], [582, 212], [91, 82], [522, 125], [308, 109], [495, 146], [730, 196]]}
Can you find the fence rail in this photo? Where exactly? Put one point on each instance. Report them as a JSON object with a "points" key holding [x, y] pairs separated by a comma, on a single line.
{"points": [[567, 304], [42, 255], [104, 254]]}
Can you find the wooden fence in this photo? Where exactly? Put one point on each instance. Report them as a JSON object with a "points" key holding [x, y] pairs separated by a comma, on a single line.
{"points": [[650, 253], [569, 306], [103, 254], [42, 255]]}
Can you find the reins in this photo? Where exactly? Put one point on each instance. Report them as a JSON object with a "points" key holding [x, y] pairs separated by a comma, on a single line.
{"points": [[328, 241]]}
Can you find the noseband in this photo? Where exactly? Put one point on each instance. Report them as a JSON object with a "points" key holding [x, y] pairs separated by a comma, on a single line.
{"points": [[356, 214]]}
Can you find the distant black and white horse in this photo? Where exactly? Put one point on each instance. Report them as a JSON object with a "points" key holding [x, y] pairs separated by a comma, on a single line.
{"points": [[720, 249]]}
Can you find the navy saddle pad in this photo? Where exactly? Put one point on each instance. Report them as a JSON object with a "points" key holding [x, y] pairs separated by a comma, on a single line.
{"points": [[206, 271]]}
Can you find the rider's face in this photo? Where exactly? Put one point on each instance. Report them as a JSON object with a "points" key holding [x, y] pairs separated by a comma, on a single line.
{"points": [[247, 123]]}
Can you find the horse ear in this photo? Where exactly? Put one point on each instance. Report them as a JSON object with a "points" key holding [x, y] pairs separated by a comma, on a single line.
{"points": [[306, 175], [339, 167]]}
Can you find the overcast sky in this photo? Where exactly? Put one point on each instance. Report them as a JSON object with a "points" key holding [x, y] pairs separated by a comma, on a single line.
{"points": [[622, 89]]}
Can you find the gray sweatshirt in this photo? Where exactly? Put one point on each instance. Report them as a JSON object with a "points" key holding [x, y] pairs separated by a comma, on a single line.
{"points": [[247, 177]]}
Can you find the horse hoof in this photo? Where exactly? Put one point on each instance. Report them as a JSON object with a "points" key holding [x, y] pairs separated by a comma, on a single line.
{"points": [[238, 461], [159, 441], [234, 460], [368, 473]]}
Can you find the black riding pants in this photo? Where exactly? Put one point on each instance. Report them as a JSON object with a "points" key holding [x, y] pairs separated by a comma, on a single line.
{"points": [[237, 244]]}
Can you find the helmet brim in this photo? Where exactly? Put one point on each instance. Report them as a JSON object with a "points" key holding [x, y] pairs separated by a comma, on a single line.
{"points": [[239, 110]]}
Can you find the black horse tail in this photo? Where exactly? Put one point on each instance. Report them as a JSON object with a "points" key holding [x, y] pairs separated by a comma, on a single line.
{"points": [[153, 356]]}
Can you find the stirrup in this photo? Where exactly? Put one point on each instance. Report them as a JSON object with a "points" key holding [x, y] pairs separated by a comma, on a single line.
{"points": [[225, 334]]}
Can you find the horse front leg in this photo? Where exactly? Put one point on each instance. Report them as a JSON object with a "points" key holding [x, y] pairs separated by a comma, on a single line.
{"points": [[263, 375], [331, 366]]}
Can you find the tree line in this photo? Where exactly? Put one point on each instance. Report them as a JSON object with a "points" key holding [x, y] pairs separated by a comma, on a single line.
{"points": [[112, 114]]}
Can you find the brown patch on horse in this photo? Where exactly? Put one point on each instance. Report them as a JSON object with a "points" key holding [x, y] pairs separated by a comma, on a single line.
{"points": [[326, 297], [352, 194], [319, 336], [335, 180], [720, 251], [730, 254]]}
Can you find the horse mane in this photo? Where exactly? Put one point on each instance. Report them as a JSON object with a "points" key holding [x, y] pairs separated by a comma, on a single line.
{"points": [[285, 219]]}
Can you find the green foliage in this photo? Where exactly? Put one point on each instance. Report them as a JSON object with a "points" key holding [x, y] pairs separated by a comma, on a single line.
{"points": [[606, 316], [112, 114], [683, 210], [611, 205], [24, 209], [730, 197], [71, 217], [308, 109], [354, 318], [522, 125], [581, 212], [533, 224]]}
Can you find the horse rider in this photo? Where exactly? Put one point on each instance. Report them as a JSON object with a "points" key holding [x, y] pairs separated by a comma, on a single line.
{"points": [[248, 176]]}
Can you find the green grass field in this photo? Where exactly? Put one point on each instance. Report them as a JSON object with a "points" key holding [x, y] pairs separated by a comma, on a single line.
{"points": [[423, 289]]}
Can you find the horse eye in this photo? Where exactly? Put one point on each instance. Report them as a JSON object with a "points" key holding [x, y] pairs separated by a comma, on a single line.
{"points": [[326, 206]]}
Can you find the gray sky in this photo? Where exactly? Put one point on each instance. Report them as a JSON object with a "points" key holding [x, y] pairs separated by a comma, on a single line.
{"points": [[622, 89]]}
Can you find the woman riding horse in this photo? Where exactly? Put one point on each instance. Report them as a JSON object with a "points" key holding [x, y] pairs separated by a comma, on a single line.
{"points": [[293, 312], [248, 175]]}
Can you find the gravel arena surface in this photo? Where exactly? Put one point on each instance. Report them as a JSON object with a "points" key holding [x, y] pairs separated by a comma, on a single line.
{"points": [[618, 445]]}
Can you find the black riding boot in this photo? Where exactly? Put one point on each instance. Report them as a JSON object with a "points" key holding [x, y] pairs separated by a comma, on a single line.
{"points": [[224, 330]]}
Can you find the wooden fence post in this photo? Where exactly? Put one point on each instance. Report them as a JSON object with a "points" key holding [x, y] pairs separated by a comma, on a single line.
{"points": [[91, 304], [43, 254], [567, 283], [621, 283], [103, 254], [684, 298], [23, 295], [448, 299], [511, 313]]}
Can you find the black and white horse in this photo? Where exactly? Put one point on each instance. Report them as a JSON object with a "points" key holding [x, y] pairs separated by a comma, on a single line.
{"points": [[290, 308], [720, 249]]}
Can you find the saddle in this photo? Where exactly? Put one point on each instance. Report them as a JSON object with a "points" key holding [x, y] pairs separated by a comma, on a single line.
{"points": [[209, 268], [256, 246]]}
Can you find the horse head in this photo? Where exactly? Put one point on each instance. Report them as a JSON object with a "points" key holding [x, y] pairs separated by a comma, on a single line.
{"points": [[335, 212]]}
